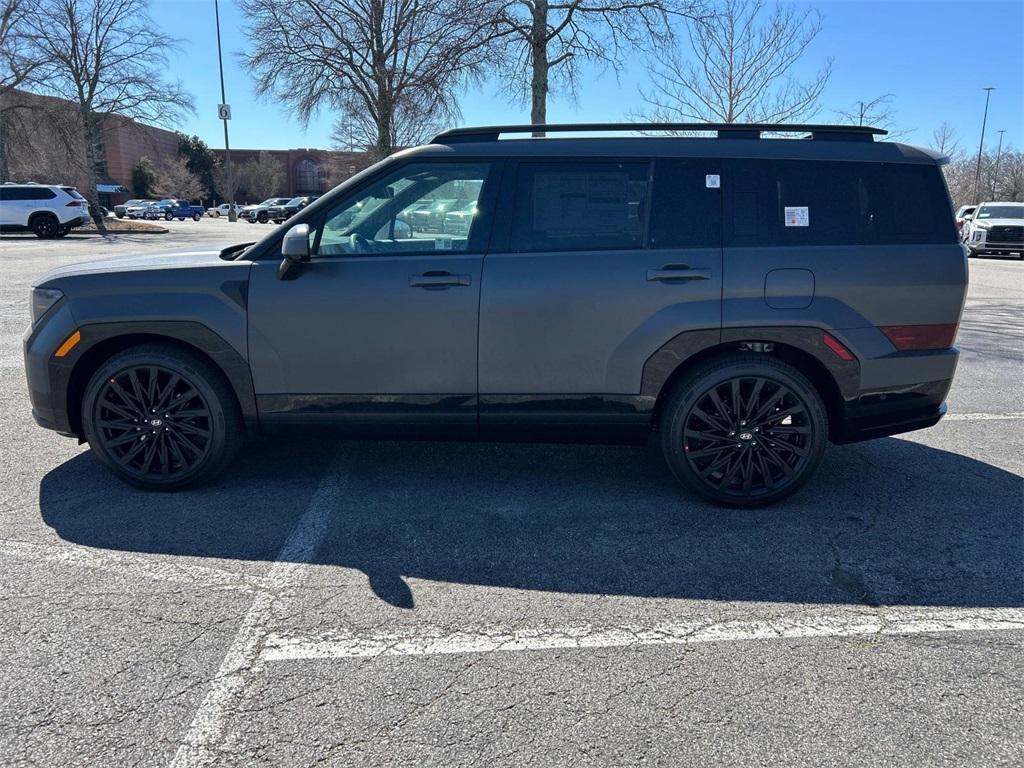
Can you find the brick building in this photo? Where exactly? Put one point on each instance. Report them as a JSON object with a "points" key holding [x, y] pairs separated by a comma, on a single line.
{"points": [[37, 149]]}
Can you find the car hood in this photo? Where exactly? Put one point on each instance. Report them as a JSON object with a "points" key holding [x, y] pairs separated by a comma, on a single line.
{"points": [[173, 260], [1000, 222]]}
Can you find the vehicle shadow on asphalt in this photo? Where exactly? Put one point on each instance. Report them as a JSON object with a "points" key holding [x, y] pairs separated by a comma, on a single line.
{"points": [[888, 522]]}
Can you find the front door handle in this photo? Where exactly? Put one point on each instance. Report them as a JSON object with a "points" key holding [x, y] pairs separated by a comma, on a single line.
{"points": [[677, 273], [437, 279]]}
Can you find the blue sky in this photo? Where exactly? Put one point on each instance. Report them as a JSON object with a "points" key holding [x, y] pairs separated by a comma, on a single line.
{"points": [[928, 54]]}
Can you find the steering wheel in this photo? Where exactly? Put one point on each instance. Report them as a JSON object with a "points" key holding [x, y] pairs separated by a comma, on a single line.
{"points": [[358, 243]]}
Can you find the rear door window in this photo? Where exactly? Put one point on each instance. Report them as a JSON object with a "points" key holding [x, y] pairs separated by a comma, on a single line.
{"points": [[686, 206], [580, 206]]}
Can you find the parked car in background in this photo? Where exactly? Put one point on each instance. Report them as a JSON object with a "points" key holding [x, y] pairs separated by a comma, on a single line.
{"points": [[261, 212], [458, 219], [222, 210], [173, 209], [121, 209], [280, 213], [695, 290], [996, 228], [429, 216], [45, 210], [963, 214], [135, 211]]}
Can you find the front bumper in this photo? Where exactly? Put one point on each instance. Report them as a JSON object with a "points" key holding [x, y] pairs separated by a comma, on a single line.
{"points": [[47, 376]]}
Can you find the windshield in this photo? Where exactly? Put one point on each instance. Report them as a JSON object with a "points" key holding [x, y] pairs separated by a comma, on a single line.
{"points": [[1001, 212]]}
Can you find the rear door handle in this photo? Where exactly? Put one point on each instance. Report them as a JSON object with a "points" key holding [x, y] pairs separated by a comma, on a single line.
{"points": [[677, 273], [438, 280]]}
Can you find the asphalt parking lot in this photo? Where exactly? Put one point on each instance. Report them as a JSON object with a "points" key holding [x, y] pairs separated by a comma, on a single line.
{"points": [[414, 604]]}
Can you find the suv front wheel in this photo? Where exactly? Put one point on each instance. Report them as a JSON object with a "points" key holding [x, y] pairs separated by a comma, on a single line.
{"points": [[744, 431], [161, 418]]}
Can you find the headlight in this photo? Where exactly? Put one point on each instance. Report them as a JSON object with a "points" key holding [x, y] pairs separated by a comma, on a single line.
{"points": [[979, 234], [42, 299]]}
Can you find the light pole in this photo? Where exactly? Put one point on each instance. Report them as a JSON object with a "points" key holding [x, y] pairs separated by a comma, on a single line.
{"points": [[977, 172], [224, 113], [999, 154]]}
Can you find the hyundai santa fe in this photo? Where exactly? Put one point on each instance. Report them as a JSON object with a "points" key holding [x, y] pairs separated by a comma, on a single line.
{"points": [[743, 300]]}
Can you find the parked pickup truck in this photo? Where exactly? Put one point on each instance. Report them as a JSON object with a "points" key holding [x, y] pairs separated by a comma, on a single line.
{"points": [[173, 209]]}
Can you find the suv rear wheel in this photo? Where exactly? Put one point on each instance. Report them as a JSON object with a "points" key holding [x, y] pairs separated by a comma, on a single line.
{"points": [[161, 418], [45, 225], [744, 431]]}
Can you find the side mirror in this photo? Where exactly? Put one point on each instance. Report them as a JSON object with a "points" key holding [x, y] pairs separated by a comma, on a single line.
{"points": [[295, 246], [294, 252]]}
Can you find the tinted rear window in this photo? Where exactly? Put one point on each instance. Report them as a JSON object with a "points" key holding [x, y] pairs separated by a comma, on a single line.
{"points": [[792, 202], [685, 213], [579, 206], [73, 192]]}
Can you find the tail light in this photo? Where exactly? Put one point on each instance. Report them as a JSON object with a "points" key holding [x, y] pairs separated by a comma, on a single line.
{"points": [[75, 204], [917, 337]]}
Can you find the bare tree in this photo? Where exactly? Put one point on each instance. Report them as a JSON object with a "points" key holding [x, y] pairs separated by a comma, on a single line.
{"points": [[381, 63], [174, 179], [262, 177], [225, 185], [356, 130], [548, 40], [877, 113], [41, 138], [18, 60], [740, 68], [944, 140], [106, 57]]}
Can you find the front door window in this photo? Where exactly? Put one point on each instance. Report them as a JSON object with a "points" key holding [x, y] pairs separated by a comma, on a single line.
{"points": [[419, 208]]}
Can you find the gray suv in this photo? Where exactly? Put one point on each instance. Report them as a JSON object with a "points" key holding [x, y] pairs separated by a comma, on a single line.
{"points": [[743, 299]]}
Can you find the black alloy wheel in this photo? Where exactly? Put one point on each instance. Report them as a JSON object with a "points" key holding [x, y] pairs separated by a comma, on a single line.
{"points": [[45, 226], [262, 217], [160, 418], [745, 432]]}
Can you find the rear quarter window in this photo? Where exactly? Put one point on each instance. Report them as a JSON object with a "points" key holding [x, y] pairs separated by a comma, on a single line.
{"points": [[793, 202]]}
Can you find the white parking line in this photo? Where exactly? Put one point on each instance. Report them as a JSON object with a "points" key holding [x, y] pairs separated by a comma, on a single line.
{"points": [[131, 565], [242, 661], [983, 417], [423, 642]]}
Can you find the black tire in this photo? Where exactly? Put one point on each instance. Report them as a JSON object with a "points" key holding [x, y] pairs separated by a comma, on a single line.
{"points": [[196, 216], [778, 432], [262, 217], [119, 215], [191, 440], [45, 225], [168, 216]]}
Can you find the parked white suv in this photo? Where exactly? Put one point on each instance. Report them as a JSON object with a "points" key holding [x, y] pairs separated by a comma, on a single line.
{"points": [[996, 228], [46, 210]]}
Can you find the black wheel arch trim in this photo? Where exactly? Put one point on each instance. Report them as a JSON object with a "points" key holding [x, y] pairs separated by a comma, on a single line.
{"points": [[683, 348], [68, 379]]}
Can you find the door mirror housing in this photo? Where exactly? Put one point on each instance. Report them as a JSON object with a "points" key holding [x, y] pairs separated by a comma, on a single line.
{"points": [[295, 245], [294, 251]]}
